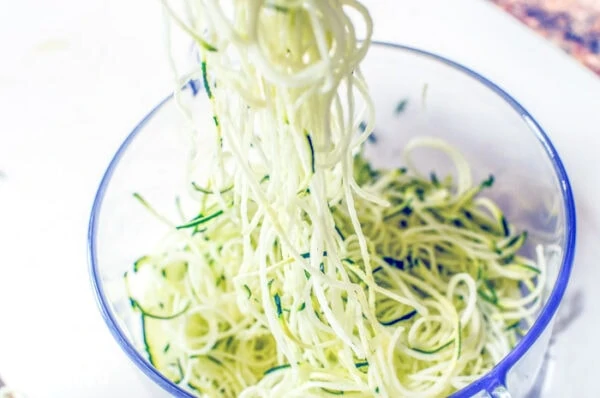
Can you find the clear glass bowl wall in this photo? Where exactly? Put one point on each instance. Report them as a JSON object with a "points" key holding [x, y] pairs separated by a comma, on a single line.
{"points": [[443, 99]]}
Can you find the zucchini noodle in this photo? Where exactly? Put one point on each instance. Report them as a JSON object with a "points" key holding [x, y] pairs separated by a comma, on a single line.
{"points": [[6, 392], [304, 271]]}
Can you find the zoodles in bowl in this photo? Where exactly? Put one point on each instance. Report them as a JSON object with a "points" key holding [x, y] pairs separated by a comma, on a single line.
{"points": [[300, 269]]}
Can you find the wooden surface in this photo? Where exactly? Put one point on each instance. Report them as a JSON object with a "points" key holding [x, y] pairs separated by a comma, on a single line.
{"points": [[573, 25]]}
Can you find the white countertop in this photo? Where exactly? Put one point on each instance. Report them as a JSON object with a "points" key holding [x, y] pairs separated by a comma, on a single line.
{"points": [[75, 78]]}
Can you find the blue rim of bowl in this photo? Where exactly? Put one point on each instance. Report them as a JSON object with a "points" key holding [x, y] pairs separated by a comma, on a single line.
{"points": [[497, 376]]}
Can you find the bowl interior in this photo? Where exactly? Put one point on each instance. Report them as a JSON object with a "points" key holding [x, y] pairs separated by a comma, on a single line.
{"points": [[415, 94]]}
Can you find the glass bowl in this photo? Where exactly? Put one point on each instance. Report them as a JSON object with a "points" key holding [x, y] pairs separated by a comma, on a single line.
{"points": [[415, 93]]}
